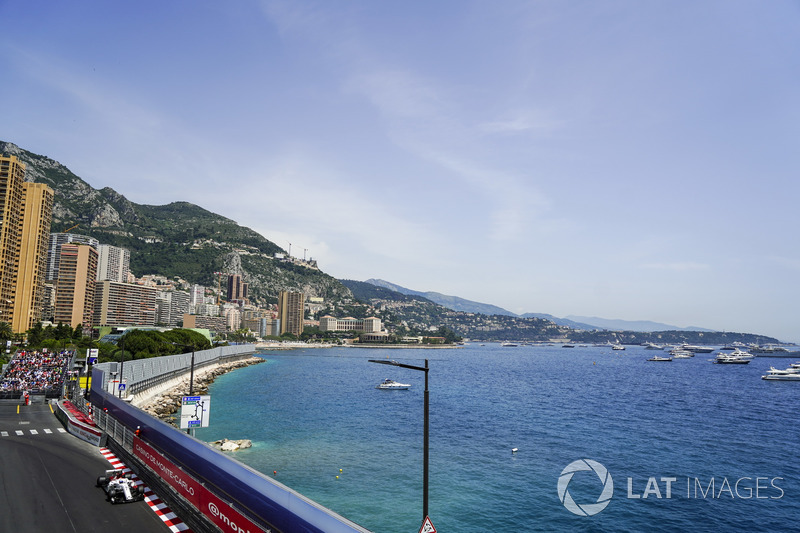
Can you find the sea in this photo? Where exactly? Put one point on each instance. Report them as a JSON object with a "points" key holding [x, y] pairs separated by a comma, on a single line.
{"points": [[525, 438]]}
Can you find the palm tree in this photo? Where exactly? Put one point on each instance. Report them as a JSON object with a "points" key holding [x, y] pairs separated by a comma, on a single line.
{"points": [[6, 332]]}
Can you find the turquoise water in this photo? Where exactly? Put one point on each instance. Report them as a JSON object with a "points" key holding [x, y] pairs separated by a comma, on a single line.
{"points": [[682, 425]]}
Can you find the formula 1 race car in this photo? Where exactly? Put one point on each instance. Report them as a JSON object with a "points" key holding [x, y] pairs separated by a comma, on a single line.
{"points": [[119, 487]]}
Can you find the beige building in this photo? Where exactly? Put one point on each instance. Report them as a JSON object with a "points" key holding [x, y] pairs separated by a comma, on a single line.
{"points": [[290, 312], [25, 214], [124, 304], [75, 286], [216, 324], [363, 325], [37, 208]]}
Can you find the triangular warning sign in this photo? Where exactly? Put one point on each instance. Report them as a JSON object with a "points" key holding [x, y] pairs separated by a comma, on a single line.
{"points": [[427, 526]]}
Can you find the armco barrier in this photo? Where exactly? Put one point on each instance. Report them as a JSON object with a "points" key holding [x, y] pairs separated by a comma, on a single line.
{"points": [[77, 423], [258, 498]]}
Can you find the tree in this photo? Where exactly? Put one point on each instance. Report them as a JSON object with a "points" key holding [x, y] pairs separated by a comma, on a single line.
{"points": [[6, 333], [35, 334]]}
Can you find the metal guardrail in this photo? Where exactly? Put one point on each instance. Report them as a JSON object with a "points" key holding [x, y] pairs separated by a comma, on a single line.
{"points": [[142, 374], [253, 495]]}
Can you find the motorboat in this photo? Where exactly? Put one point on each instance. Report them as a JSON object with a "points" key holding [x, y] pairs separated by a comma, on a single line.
{"points": [[774, 374], [652, 346], [682, 355], [659, 358], [618, 347], [509, 344], [787, 372], [696, 349], [736, 357], [388, 384]]}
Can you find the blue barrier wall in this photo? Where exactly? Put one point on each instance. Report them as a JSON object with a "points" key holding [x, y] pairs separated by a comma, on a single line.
{"points": [[263, 499]]}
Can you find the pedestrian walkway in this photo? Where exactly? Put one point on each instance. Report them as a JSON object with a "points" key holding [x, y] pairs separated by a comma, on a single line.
{"points": [[175, 524]]}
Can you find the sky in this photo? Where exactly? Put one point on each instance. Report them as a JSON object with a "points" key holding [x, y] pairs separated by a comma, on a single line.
{"points": [[621, 159]]}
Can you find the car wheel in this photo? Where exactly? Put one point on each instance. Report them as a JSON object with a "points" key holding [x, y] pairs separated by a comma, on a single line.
{"points": [[101, 481]]}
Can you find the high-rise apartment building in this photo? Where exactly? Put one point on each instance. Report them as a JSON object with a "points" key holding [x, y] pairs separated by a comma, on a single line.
{"points": [[290, 312], [197, 295], [12, 175], [25, 214], [37, 209], [124, 304], [171, 306], [75, 285], [54, 250], [237, 289], [113, 263]]}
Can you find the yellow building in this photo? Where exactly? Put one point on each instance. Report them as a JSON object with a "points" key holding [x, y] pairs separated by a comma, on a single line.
{"points": [[37, 209], [12, 175], [26, 211], [75, 285], [290, 312]]}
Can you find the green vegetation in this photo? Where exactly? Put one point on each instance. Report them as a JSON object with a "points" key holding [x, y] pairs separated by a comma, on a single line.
{"points": [[143, 344], [191, 243]]}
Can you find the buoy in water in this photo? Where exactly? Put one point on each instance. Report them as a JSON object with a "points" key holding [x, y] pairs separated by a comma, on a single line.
{"points": [[337, 477], [274, 472]]}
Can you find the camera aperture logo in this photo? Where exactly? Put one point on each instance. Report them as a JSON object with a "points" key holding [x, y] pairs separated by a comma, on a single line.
{"points": [[585, 509]]}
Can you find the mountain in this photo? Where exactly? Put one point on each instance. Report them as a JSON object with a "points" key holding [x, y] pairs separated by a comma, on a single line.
{"points": [[629, 325], [451, 302], [176, 240], [561, 321], [182, 240]]}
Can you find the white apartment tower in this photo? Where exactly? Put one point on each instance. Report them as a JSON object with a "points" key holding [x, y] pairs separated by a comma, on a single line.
{"points": [[113, 263]]}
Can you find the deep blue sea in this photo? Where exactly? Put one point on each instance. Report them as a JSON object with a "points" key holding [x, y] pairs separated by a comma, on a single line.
{"points": [[721, 440]]}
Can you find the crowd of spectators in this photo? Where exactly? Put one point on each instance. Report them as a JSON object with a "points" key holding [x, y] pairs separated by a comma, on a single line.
{"points": [[35, 370]]}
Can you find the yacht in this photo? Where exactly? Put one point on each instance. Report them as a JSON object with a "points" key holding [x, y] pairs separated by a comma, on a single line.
{"points": [[736, 357], [618, 347], [790, 374], [696, 349], [509, 344], [786, 372], [388, 384], [660, 358], [652, 346]]}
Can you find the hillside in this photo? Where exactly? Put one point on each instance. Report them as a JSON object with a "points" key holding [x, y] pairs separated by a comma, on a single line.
{"points": [[186, 241], [175, 240], [451, 302]]}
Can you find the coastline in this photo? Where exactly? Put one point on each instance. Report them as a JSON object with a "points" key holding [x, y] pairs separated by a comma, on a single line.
{"points": [[166, 403], [294, 345]]}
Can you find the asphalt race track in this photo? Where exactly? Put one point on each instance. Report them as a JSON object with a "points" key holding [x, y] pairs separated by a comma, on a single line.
{"points": [[47, 480]]}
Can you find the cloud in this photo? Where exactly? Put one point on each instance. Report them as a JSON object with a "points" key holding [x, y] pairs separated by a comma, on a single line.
{"points": [[300, 194], [685, 266], [521, 122], [398, 93]]}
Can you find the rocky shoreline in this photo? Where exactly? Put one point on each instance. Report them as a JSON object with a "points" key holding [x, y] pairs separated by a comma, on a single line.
{"points": [[167, 405]]}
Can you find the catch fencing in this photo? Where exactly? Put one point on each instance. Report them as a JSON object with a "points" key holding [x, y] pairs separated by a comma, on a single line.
{"points": [[142, 374]]}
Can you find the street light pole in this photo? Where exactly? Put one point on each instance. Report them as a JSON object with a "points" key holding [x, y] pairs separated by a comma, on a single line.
{"points": [[191, 375], [425, 450], [425, 430], [122, 365]]}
